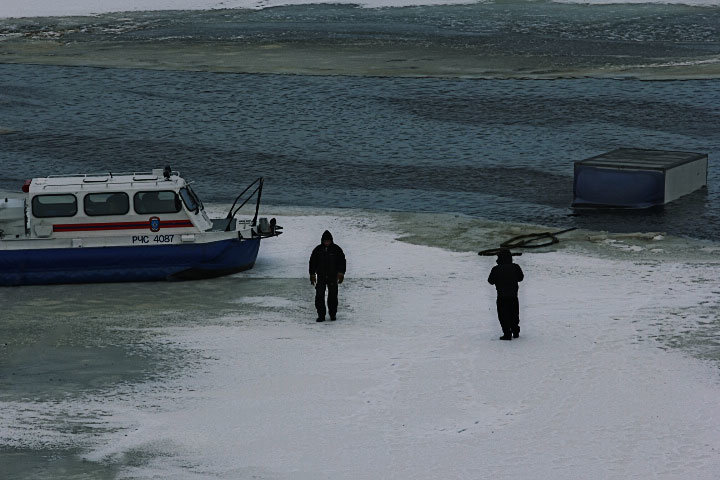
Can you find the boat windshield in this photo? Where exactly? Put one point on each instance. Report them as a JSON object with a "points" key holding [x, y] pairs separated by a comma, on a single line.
{"points": [[192, 202]]}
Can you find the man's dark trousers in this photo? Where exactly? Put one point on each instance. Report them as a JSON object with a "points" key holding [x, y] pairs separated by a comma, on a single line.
{"points": [[332, 298], [508, 309]]}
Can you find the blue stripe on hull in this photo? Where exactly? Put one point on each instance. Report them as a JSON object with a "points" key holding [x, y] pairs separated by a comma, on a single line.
{"points": [[127, 264]]}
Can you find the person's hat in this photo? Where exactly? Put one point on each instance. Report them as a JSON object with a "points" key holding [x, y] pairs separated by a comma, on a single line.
{"points": [[504, 256]]}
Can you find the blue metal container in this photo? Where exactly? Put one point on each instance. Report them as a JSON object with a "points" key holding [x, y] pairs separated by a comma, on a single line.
{"points": [[637, 178]]}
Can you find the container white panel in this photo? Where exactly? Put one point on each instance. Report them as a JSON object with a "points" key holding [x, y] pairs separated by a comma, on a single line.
{"points": [[684, 179]]}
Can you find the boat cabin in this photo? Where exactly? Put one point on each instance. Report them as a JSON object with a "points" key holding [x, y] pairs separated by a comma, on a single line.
{"points": [[97, 205]]}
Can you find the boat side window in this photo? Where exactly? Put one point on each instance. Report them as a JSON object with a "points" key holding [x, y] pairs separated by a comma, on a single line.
{"points": [[106, 204], [164, 201], [45, 206], [189, 200], [197, 199]]}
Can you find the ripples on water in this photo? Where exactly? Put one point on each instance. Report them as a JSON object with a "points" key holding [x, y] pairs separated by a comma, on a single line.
{"points": [[498, 149]]}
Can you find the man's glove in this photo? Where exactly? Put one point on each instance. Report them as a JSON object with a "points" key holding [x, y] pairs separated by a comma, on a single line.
{"points": [[341, 277], [313, 278]]}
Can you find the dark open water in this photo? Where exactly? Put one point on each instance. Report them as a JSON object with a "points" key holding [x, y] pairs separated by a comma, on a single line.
{"points": [[497, 149]]}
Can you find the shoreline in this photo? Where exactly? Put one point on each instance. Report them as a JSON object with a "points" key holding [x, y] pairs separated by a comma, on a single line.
{"points": [[93, 8], [470, 234]]}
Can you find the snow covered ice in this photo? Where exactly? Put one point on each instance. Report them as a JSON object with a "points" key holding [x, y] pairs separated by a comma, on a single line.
{"points": [[412, 382]]}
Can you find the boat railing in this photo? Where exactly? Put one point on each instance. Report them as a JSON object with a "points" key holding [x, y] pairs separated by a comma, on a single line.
{"points": [[242, 199], [111, 174]]}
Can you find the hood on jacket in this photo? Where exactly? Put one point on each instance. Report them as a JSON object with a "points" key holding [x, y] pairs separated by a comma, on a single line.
{"points": [[326, 236], [504, 257]]}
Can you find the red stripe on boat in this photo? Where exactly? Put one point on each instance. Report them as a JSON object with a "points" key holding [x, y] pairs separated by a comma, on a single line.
{"points": [[92, 227]]}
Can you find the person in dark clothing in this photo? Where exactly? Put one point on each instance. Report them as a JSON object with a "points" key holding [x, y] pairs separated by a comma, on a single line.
{"points": [[327, 270], [505, 276]]}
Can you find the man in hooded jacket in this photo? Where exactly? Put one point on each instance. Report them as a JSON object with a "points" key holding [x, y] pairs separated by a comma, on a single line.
{"points": [[505, 276], [327, 270]]}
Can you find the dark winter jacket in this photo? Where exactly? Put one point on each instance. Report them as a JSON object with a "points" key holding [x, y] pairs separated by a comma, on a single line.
{"points": [[328, 261], [505, 276]]}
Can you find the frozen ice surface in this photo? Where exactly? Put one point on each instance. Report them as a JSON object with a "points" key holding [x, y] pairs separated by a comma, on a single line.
{"points": [[37, 8], [411, 381], [34, 8]]}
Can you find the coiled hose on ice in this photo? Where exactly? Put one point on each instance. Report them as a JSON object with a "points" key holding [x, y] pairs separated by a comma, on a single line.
{"points": [[529, 240]]}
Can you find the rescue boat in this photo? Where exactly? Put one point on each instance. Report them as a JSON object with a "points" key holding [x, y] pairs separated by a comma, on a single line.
{"points": [[128, 227]]}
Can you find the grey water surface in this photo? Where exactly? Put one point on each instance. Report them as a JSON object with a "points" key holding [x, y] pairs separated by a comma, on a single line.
{"points": [[496, 149]]}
